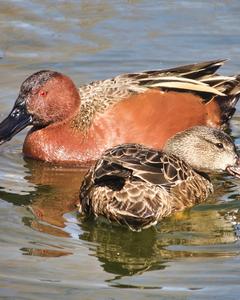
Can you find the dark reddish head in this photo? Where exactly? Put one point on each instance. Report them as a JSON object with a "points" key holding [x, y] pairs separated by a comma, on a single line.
{"points": [[45, 97]]}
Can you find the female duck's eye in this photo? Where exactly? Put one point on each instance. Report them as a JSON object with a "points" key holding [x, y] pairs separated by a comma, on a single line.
{"points": [[42, 93], [219, 145]]}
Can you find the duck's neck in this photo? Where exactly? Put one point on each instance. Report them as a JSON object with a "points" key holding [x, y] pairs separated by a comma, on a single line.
{"points": [[63, 142]]}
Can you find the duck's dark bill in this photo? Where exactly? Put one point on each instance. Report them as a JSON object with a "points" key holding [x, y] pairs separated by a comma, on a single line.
{"points": [[234, 170], [17, 120]]}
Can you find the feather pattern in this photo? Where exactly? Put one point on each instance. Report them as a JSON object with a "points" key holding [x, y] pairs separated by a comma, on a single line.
{"points": [[199, 78], [137, 186]]}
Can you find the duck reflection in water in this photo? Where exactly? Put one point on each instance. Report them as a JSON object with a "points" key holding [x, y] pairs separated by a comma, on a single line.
{"points": [[192, 233], [56, 193], [119, 251]]}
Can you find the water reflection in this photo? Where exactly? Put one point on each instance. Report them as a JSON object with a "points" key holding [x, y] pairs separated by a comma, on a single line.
{"points": [[188, 234], [121, 251], [194, 232], [55, 192], [44, 252]]}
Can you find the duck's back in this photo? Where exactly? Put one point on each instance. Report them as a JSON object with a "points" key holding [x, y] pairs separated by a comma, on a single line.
{"points": [[199, 79]]}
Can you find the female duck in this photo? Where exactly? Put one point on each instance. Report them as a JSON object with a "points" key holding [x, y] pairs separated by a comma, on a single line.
{"points": [[138, 186], [130, 108]]}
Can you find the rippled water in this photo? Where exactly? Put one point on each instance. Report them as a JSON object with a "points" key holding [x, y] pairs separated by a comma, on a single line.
{"points": [[46, 251]]}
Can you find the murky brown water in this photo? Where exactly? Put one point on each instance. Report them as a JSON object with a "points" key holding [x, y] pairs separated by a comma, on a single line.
{"points": [[46, 251]]}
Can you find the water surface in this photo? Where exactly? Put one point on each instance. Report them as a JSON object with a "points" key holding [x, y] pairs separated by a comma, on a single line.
{"points": [[47, 251]]}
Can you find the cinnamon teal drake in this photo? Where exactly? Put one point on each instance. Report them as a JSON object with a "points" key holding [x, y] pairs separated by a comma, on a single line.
{"points": [[138, 186], [71, 125]]}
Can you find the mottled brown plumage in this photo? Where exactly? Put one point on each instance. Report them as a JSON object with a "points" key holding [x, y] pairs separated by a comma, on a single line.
{"points": [[137, 186]]}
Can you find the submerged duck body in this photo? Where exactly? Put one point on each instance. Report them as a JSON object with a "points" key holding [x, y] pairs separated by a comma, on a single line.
{"points": [[137, 186], [71, 125]]}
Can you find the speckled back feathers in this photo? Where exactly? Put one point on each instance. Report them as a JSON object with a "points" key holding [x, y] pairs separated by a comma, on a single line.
{"points": [[199, 78]]}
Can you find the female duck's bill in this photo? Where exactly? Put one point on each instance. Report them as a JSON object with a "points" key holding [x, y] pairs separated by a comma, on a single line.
{"points": [[138, 186]]}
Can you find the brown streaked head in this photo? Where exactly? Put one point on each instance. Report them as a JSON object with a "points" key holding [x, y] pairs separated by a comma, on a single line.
{"points": [[45, 97]]}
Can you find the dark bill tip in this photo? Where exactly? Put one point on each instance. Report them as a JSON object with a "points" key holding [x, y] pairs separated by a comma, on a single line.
{"points": [[16, 121]]}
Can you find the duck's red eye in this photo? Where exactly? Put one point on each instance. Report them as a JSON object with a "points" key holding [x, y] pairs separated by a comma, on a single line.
{"points": [[42, 93]]}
